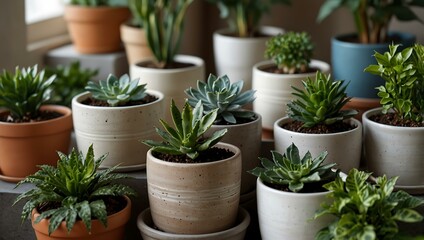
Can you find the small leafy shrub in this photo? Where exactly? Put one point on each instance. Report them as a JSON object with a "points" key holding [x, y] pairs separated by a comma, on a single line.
{"points": [[291, 52], [367, 211], [402, 73], [219, 93], [295, 172], [76, 187], [23, 92], [187, 136], [320, 103], [117, 91]]}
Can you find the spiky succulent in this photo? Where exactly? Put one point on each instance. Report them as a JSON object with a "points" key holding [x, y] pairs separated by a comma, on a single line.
{"points": [[76, 186], [117, 91], [289, 169], [219, 93], [187, 136], [321, 102], [23, 92], [291, 52]]}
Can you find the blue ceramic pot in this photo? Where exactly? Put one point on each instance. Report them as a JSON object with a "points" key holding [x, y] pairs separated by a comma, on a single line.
{"points": [[349, 59]]}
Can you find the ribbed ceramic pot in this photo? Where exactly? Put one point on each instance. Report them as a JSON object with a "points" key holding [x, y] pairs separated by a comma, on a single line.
{"points": [[274, 91], [235, 56], [394, 151], [24, 146], [288, 215], [115, 227], [171, 82], [135, 42], [117, 131], [194, 198], [237, 232], [344, 148]]}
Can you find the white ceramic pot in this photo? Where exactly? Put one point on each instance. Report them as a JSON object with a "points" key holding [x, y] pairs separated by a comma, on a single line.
{"points": [[394, 151], [194, 198], [148, 232], [117, 130], [235, 56], [343, 148], [287, 215], [274, 91], [171, 82], [247, 137]]}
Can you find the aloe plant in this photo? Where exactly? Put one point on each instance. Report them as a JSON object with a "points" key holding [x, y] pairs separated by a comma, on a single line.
{"points": [[364, 210], [117, 91], [320, 102], [76, 187], [23, 92], [187, 136], [291, 52], [291, 170], [163, 21], [219, 93]]}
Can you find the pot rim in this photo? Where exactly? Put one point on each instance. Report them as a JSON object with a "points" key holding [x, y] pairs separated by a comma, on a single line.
{"points": [[270, 30], [320, 64], [375, 111]]}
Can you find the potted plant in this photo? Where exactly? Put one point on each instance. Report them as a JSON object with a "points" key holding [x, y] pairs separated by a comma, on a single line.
{"points": [[30, 131], [133, 35], [185, 157], [168, 72], [76, 201], [239, 47], [94, 25], [352, 52], [244, 126], [114, 115], [315, 121], [290, 63], [289, 191], [400, 120], [365, 210]]}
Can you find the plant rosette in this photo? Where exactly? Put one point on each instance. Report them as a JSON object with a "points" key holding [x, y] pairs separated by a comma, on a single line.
{"points": [[117, 130]]}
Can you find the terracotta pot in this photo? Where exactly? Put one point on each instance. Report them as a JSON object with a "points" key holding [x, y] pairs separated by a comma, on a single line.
{"points": [[117, 130], [135, 42], [237, 232], [24, 146], [344, 148], [95, 29], [115, 227], [194, 198]]}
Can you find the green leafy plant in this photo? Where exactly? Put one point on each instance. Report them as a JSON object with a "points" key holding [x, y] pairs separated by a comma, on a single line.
{"points": [[76, 187], [372, 17], [219, 93], [70, 81], [135, 8], [117, 91], [244, 15], [163, 21], [187, 136], [320, 102], [402, 73], [366, 211], [23, 92], [291, 170], [97, 3], [291, 52]]}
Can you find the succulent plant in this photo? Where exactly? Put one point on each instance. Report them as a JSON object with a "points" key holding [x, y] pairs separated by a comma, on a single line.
{"points": [[76, 187], [291, 170], [23, 92], [163, 21], [70, 81], [366, 210], [187, 136], [320, 102], [117, 91], [402, 72], [219, 93], [291, 52], [135, 8]]}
